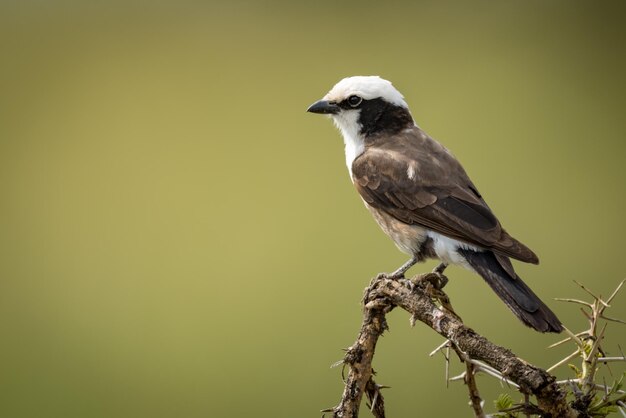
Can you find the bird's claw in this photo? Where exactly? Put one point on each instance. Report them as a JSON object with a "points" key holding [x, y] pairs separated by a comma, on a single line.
{"points": [[437, 280], [434, 283]]}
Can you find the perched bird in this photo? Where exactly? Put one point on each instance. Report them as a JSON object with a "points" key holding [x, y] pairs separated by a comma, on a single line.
{"points": [[421, 196]]}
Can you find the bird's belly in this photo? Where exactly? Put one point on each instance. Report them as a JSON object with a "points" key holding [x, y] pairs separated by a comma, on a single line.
{"points": [[446, 249], [416, 240], [408, 238]]}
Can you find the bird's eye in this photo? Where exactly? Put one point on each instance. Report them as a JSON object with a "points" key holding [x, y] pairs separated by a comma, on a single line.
{"points": [[354, 101]]}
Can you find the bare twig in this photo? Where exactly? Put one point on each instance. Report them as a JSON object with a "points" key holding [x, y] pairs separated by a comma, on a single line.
{"points": [[474, 395]]}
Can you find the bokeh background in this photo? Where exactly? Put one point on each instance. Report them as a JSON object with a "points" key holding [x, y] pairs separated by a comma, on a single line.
{"points": [[180, 239]]}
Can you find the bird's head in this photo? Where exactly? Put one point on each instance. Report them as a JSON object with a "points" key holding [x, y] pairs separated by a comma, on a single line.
{"points": [[365, 105]]}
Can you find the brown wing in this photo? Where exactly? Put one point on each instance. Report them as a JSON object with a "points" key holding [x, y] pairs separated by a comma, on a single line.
{"points": [[416, 180]]}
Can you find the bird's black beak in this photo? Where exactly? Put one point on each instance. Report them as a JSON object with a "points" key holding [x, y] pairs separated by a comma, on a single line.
{"points": [[324, 107]]}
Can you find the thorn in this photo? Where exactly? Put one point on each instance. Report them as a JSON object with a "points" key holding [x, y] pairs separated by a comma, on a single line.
{"points": [[565, 360], [619, 286], [574, 337], [566, 340], [459, 377], [608, 359], [608, 318], [441, 346], [374, 401], [337, 363], [447, 366], [485, 368], [594, 296], [580, 302], [556, 344]]}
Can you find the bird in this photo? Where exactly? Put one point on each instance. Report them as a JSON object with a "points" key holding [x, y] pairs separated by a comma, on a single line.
{"points": [[422, 198]]}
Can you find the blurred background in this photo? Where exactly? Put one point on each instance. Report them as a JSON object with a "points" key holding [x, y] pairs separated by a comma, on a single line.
{"points": [[179, 238]]}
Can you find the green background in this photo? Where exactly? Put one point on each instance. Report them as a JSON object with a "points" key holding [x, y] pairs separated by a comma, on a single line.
{"points": [[179, 238]]}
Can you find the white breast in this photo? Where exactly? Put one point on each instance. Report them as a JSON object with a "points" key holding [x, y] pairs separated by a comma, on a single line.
{"points": [[348, 124]]}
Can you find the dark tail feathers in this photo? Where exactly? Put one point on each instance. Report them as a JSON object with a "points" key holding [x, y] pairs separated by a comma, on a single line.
{"points": [[513, 291]]}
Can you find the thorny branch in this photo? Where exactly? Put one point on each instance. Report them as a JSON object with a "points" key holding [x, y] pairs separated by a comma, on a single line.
{"points": [[479, 354], [589, 348]]}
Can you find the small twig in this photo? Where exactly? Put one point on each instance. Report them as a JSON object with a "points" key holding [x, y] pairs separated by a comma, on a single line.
{"points": [[474, 395], [470, 380]]}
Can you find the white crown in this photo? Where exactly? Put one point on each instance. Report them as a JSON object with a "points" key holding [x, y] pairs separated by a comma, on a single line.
{"points": [[367, 87]]}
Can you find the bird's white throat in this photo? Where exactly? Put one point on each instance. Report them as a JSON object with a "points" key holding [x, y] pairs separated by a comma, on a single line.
{"points": [[348, 124]]}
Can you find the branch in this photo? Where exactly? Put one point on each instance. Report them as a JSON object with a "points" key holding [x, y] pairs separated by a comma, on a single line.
{"points": [[359, 358], [383, 294]]}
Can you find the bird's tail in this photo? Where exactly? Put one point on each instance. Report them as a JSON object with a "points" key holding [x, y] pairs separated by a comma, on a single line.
{"points": [[513, 291]]}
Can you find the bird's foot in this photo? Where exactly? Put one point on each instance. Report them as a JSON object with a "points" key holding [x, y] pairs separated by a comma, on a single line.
{"points": [[392, 276], [436, 279], [433, 283]]}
